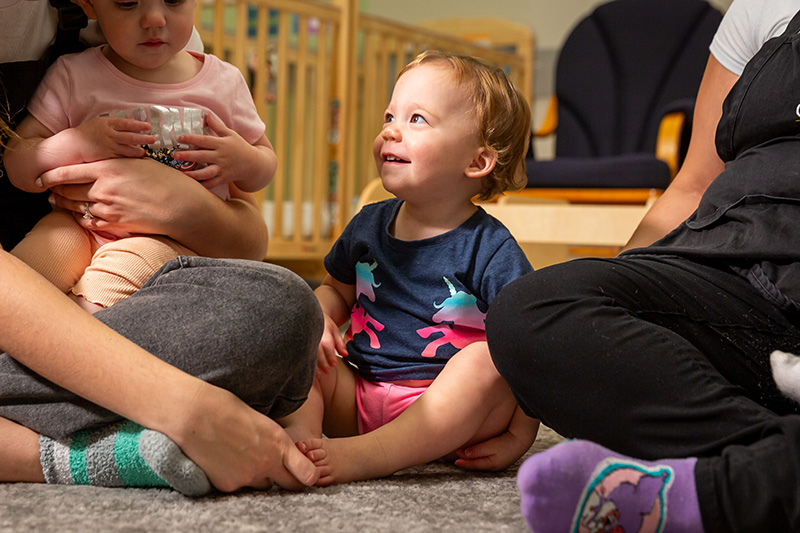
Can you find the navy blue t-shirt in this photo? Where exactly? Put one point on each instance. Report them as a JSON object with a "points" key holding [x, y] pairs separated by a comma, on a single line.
{"points": [[419, 302]]}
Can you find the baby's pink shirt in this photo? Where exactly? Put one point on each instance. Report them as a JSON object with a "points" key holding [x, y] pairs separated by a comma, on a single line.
{"points": [[81, 86]]}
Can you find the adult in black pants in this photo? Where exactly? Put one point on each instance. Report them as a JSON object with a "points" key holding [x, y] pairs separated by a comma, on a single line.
{"points": [[663, 354]]}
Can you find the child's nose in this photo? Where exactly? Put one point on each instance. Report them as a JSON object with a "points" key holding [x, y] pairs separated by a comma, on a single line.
{"points": [[153, 17], [391, 133]]}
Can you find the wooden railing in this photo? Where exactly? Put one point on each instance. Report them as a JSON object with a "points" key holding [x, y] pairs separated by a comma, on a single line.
{"points": [[321, 75]]}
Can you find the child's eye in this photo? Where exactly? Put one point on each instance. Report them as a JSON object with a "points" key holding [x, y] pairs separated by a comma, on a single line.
{"points": [[418, 119], [173, 2], [126, 5], [388, 118]]}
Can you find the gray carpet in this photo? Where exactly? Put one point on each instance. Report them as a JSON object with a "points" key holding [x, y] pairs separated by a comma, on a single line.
{"points": [[433, 497]]}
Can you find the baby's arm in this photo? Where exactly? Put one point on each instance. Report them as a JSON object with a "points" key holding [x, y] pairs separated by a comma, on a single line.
{"points": [[501, 451], [229, 158], [336, 299], [37, 150]]}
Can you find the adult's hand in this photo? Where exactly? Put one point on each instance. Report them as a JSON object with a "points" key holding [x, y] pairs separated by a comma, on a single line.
{"points": [[238, 447], [142, 196]]}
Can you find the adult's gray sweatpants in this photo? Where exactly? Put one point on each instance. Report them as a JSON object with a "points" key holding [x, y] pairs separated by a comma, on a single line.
{"points": [[248, 327]]}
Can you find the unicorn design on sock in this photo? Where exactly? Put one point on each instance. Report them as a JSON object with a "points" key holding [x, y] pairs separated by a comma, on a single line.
{"points": [[458, 320], [624, 497]]}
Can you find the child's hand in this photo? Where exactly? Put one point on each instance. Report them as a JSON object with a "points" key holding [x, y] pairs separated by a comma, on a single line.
{"points": [[330, 347], [228, 157], [501, 451], [109, 137]]}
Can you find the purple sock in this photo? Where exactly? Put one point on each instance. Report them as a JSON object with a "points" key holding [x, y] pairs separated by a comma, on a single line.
{"points": [[581, 487]]}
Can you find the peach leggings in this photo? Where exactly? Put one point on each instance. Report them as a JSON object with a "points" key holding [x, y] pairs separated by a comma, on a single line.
{"points": [[73, 260]]}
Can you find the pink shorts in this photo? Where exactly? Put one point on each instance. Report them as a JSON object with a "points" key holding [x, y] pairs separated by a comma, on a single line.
{"points": [[381, 402]]}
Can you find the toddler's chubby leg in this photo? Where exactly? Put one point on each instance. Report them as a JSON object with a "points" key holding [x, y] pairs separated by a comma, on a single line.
{"points": [[58, 249], [120, 268], [467, 403], [330, 407]]}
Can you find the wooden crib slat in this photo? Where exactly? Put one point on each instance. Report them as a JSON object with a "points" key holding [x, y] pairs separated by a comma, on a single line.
{"points": [[219, 28], [262, 56], [198, 15], [348, 26], [335, 145], [382, 44], [373, 101], [261, 74], [282, 125], [298, 143], [322, 122], [308, 8], [238, 57]]}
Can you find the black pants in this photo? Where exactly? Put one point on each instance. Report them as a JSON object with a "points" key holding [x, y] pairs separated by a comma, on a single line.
{"points": [[661, 357]]}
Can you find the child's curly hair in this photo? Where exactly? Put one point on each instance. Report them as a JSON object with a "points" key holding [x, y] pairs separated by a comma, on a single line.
{"points": [[503, 114]]}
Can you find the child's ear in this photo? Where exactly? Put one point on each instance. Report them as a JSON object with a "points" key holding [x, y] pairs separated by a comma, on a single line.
{"points": [[88, 8], [482, 164]]}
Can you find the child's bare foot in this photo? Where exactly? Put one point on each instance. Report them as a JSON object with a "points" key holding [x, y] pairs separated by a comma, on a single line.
{"points": [[347, 459]]}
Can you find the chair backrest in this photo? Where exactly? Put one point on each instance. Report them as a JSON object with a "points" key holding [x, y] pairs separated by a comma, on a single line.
{"points": [[620, 69]]}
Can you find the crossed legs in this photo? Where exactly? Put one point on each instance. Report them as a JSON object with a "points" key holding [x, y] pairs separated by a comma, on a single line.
{"points": [[660, 357], [191, 314]]}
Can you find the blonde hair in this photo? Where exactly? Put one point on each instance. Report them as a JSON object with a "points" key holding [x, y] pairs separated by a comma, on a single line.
{"points": [[503, 116], [5, 133]]}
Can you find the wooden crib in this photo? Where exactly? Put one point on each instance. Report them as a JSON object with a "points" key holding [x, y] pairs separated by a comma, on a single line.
{"points": [[321, 74]]}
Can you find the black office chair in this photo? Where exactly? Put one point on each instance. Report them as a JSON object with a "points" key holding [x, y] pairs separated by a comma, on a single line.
{"points": [[624, 69]]}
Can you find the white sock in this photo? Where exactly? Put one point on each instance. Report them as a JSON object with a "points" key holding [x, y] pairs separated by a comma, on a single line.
{"points": [[786, 373]]}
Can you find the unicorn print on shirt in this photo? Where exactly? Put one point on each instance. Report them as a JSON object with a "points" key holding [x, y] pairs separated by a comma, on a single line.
{"points": [[459, 320], [360, 320], [365, 280]]}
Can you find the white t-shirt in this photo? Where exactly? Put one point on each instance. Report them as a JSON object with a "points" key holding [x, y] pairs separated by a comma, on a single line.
{"points": [[26, 29], [747, 25]]}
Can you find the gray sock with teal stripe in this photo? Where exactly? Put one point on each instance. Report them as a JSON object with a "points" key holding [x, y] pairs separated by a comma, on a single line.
{"points": [[121, 455]]}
